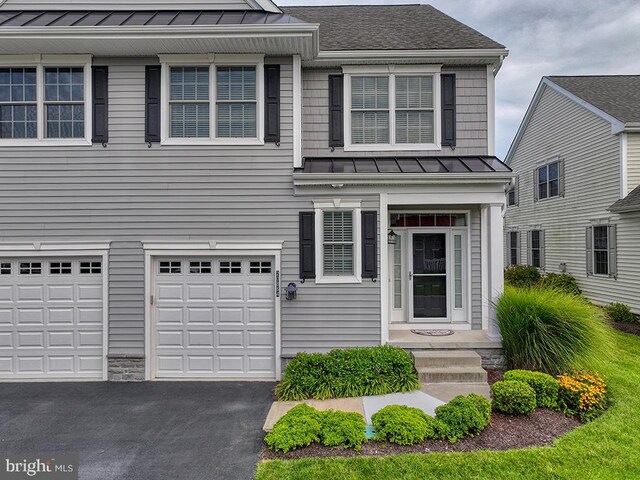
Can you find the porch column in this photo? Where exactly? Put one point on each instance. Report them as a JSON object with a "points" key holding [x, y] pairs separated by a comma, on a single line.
{"points": [[495, 264]]}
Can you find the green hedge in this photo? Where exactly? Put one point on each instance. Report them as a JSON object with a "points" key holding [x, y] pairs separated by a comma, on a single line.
{"points": [[351, 372], [512, 396], [544, 385], [403, 425], [462, 416], [564, 282], [303, 425]]}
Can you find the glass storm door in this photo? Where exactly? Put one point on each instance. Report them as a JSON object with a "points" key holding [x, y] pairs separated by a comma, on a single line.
{"points": [[428, 276]]}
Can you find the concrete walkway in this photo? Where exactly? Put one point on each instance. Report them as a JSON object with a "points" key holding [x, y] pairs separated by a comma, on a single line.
{"points": [[365, 406]]}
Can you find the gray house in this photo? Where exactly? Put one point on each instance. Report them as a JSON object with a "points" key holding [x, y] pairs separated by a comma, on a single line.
{"points": [[575, 206], [202, 189]]}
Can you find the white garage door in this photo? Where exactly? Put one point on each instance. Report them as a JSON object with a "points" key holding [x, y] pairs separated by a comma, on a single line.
{"points": [[51, 318], [214, 318]]}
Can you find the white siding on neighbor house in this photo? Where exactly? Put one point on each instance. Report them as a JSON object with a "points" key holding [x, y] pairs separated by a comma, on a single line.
{"points": [[591, 154], [471, 115], [124, 5], [633, 161], [128, 193]]}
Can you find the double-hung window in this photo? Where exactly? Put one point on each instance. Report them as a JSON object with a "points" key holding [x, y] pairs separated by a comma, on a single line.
{"points": [[392, 108], [46, 100], [548, 180], [513, 248], [601, 250], [213, 99], [536, 248], [338, 240]]}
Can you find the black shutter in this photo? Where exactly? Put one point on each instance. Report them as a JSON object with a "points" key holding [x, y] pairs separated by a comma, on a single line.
{"points": [[100, 91], [152, 103], [307, 245], [272, 103], [369, 245], [336, 100], [448, 109]]}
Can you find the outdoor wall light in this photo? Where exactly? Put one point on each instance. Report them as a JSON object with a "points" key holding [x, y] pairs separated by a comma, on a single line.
{"points": [[392, 237]]}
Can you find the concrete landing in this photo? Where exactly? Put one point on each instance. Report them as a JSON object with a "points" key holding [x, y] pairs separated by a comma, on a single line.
{"points": [[447, 391]]}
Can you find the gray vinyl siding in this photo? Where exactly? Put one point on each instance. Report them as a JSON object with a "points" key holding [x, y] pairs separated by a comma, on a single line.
{"points": [[471, 114], [128, 193], [633, 160], [124, 5], [126, 297], [591, 154]]}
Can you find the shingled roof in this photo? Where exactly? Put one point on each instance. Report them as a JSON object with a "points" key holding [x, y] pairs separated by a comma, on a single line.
{"points": [[617, 95], [390, 27], [630, 203]]}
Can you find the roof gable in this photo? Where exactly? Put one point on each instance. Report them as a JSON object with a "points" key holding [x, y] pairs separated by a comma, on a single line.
{"points": [[390, 27]]}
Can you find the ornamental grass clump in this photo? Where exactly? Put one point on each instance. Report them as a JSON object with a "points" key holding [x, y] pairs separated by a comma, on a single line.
{"points": [[550, 331], [583, 394]]}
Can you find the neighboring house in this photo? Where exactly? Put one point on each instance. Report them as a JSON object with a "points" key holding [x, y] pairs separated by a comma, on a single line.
{"points": [[171, 173], [575, 205]]}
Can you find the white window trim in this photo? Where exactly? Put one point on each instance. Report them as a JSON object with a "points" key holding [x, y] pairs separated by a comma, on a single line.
{"points": [[557, 159], [40, 62], [392, 71], [338, 205], [606, 226], [212, 61]]}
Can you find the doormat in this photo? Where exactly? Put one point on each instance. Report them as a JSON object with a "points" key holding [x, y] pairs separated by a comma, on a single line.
{"points": [[433, 333]]}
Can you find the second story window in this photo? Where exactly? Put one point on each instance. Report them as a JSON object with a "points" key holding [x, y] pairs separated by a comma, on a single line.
{"points": [[213, 99], [392, 109], [45, 103], [549, 180], [512, 194]]}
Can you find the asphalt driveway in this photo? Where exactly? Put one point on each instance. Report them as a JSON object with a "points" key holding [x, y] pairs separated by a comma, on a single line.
{"points": [[141, 431]]}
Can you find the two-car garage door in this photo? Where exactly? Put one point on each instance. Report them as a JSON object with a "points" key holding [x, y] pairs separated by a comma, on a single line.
{"points": [[51, 318], [214, 318]]}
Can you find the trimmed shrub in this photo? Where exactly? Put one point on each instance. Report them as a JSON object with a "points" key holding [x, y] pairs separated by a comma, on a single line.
{"points": [[460, 417], [583, 394], [564, 282], [299, 427], [348, 373], [550, 331], [619, 312], [403, 425], [545, 386], [522, 276], [512, 396], [343, 429], [483, 405]]}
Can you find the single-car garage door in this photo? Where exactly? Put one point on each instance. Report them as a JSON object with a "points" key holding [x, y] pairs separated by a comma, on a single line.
{"points": [[51, 318], [214, 318]]}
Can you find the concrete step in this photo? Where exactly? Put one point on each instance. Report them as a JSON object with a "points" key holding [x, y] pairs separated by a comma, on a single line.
{"points": [[446, 358], [447, 391], [452, 374]]}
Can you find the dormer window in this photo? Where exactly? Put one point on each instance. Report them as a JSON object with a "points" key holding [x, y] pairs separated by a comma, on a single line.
{"points": [[392, 108]]}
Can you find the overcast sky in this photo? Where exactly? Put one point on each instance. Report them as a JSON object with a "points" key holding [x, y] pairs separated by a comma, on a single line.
{"points": [[544, 37]]}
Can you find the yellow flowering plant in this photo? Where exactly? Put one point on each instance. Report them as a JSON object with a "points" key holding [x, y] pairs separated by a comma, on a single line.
{"points": [[583, 394]]}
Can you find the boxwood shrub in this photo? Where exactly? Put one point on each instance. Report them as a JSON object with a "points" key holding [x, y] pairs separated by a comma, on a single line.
{"points": [[403, 425], [512, 396], [564, 282], [619, 312], [348, 373], [545, 386], [522, 276], [343, 429], [462, 416], [299, 427]]}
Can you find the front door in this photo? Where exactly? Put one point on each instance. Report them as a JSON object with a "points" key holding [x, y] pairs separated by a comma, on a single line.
{"points": [[428, 277]]}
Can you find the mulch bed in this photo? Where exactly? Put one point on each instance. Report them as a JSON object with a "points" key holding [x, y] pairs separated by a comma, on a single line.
{"points": [[505, 432], [627, 327]]}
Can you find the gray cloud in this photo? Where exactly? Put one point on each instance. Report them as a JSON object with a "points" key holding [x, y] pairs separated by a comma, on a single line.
{"points": [[544, 37]]}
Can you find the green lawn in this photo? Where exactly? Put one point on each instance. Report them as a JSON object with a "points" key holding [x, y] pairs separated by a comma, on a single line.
{"points": [[608, 448]]}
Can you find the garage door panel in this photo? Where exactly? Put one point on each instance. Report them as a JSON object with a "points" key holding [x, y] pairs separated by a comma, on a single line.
{"points": [[60, 316], [60, 293], [60, 339], [51, 319], [200, 315], [6, 294], [226, 326]]}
